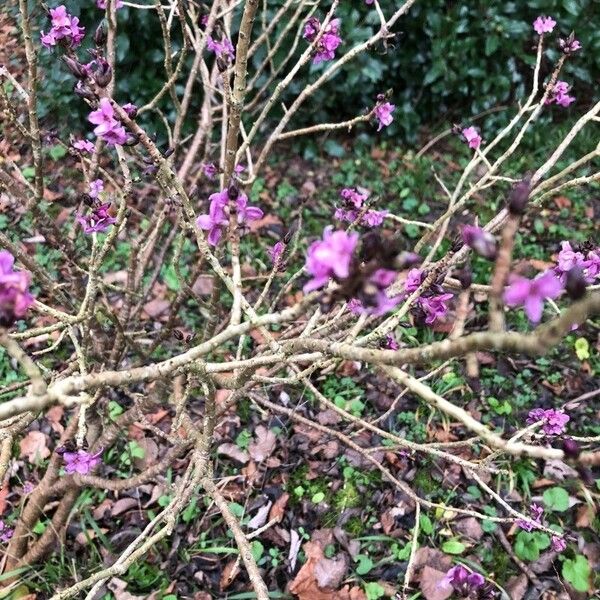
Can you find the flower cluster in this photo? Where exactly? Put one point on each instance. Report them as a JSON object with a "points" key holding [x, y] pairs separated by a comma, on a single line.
{"points": [[383, 112], [585, 257], [98, 221], [6, 532], [330, 257], [472, 137], [432, 304], [222, 49], [553, 421], [328, 42], [107, 126], [83, 146], [217, 218], [569, 45], [463, 581], [354, 200], [559, 94], [531, 293], [65, 29], [536, 517], [96, 187], [81, 462], [15, 298], [544, 24]]}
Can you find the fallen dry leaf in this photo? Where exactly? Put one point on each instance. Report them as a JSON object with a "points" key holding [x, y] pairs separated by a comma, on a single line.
{"points": [[517, 586], [229, 573], [431, 584], [330, 572], [234, 452], [33, 447], [260, 518], [53, 416], [278, 508], [263, 445]]}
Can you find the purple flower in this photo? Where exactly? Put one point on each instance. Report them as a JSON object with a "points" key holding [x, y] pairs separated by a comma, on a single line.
{"points": [[216, 219], [559, 94], [383, 113], [81, 462], [330, 257], [96, 187], [472, 137], [6, 532], [568, 258], [63, 27], [345, 215], [544, 24], [391, 343], [353, 196], [246, 213], [531, 293], [102, 4], [98, 221], [434, 307], [210, 170], [239, 169], [329, 41], [559, 544], [480, 240], [462, 580], [414, 279], [276, 252], [536, 515], [592, 264], [223, 49], [379, 303], [108, 128], [84, 146], [15, 298], [374, 218], [355, 306], [369, 1], [553, 421], [570, 45]]}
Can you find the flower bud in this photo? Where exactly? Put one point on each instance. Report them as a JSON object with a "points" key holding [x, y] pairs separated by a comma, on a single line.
{"points": [[133, 140], [101, 34], [519, 196], [75, 67], [406, 260], [84, 91], [465, 276], [571, 448], [168, 152], [480, 240], [576, 283], [233, 192], [222, 64], [102, 75]]}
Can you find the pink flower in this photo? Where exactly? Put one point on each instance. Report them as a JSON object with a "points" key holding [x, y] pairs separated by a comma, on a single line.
{"points": [[108, 128], [98, 221], [355, 306], [374, 218], [84, 146], [130, 109], [536, 515], [369, 1], [6, 532], [570, 45], [414, 279], [434, 307], [330, 257], [379, 303], [592, 264], [239, 169], [553, 421], [568, 258], [532, 293], [15, 298], [223, 49], [247, 213], [216, 219], [329, 41], [544, 24], [391, 343], [559, 544], [64, 27], [81, 462], [463, 581], [96, 187], [383, 113], [472, 137], [276, 252], [210, 170], [353, 196], [480, 240]]}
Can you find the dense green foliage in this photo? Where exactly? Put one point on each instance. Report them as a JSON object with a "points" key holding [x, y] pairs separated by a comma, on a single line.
{"points": [[449, 61]]}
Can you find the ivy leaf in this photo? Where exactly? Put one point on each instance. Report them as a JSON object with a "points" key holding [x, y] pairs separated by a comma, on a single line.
{"points": [[577, 572], [365, 564], [557, 499], [453, 547]]}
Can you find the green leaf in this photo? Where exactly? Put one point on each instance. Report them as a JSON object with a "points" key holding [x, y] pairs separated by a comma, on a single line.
{"points": [[318, 497], [334, 149], [257, 550], [453, 547], [577, 572], [488, 526], [374, 591], [365, 564], [426, 524], [582, 348], [28, 172], [170, 278], [557, 499], [526, 547], [57, 152]]}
